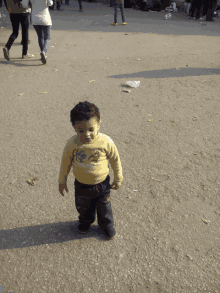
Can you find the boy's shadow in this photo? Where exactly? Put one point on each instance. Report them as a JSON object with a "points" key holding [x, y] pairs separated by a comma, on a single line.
{"points": [[51, 233]]}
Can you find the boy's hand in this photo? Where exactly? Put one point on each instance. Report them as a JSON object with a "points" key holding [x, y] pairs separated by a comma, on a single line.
{"points": [[63, 187], [115, 185]]}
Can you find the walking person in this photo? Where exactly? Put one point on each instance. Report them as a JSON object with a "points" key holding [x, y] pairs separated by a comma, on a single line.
{"points": [[42, 24], [18, 15], [118, 4]]}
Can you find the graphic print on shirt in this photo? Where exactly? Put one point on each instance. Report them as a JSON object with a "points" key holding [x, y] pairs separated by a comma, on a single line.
{"points": [[81, 157]]}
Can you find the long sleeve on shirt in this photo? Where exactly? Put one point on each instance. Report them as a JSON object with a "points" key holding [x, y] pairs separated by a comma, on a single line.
{"points": [[90, 161]]}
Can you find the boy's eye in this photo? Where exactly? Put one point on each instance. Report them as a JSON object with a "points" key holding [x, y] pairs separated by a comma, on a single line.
{"points": [[80, 131]]}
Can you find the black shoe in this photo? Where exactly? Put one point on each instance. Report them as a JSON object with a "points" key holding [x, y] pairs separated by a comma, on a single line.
{"points": [[83, 228], [43, 58], [6, 53], [110, 232]]}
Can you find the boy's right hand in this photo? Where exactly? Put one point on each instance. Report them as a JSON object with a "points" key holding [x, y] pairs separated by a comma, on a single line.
{"points": [[63, 187]]}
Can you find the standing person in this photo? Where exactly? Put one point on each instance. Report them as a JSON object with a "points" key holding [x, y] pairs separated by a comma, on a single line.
{"points": [[187, 5], [89, 153], [18, 15], [80, 5], [196, 6], [118, 4], [42, 24], [58, 4], [208, 9]]}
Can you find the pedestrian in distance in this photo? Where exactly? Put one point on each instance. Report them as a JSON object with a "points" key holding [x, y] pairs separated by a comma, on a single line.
{"points": [[118, 4], [195, 7], [89, 153], [80, 6], [67, 2], [187, 5], [42, 24], [18, 15]]}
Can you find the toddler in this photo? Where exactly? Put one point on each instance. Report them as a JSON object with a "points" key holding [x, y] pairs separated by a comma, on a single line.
{"points": [[89, 153]]}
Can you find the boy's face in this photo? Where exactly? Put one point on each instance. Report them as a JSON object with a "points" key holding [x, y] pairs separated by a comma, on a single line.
{"points": [[87, 130]]}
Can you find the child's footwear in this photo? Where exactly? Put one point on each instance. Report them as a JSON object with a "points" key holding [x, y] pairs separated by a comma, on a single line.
{"points": [[110, 233], [6, 53], [114, 23], [124, 23], [83, 228]]}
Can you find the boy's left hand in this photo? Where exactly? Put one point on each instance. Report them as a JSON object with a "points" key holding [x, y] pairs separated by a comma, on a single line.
{"points": [[115, 185]]}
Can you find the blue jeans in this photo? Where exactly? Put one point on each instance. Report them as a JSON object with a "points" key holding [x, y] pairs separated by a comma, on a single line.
{"points": [[92, 198], [121, 6], [44, 36]]}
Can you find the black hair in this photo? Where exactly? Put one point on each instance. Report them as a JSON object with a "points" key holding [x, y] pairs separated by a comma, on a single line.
{"points": [[83, 111]]}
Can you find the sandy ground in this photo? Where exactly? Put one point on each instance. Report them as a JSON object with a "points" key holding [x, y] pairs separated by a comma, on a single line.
{"points": [[167, 210]]}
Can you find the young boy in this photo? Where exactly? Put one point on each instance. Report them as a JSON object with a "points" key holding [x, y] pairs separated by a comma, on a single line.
{"points": [[89, 153]]}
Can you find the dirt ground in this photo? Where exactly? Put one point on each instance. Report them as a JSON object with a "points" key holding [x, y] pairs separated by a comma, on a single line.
{"points": [[167, 211]]}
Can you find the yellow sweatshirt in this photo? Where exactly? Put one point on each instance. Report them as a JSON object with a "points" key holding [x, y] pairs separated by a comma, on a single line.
{"points": [[90, 160]]}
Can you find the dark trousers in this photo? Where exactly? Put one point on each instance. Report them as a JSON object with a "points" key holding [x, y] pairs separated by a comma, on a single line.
{"points": [[80, 4], [121, 6], [17, 18], [92, 198], [196, 6]]}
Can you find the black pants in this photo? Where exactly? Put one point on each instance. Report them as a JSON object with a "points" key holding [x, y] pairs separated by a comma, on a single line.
{"points": [[80, 4], [196, 5], [92, 198], [17, 18]]}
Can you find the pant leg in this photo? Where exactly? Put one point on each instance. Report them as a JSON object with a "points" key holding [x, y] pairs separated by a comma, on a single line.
{"points": [[122, 12], [15, 29], [38, 29], [80, 4], [103, 204], [116, 12], [193, 7], [46, 37], [85, 202], [24, 26]]}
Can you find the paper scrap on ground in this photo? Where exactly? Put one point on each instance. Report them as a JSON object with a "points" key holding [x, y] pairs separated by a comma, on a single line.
{"points": [[133, 83]]}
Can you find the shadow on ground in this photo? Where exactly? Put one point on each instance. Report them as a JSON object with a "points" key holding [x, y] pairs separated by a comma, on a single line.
{"points": [[164, 73], [46, 234]]}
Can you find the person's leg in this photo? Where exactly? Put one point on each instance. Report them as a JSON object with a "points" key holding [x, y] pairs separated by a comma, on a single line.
{"points": [[116, 12], [24, 26], [104, 210], [193, 7], [85, 203], [46, 38], [39, 32], [122, 12], [80, 5], [15, 29]]}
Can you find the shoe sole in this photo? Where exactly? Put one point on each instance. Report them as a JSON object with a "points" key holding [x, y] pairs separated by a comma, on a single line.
{"points": [[5, 54], [43, 59]]}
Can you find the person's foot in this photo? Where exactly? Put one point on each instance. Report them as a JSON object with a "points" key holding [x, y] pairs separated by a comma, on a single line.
{"points": [[110, 233], [124, 23], [80, 10], [83, 228], [43, 57], [6, 53], [114, 23], [26, 56]]}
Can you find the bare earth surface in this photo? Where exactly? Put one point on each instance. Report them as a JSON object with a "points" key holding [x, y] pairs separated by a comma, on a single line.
{"points": [[167, 211]]}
